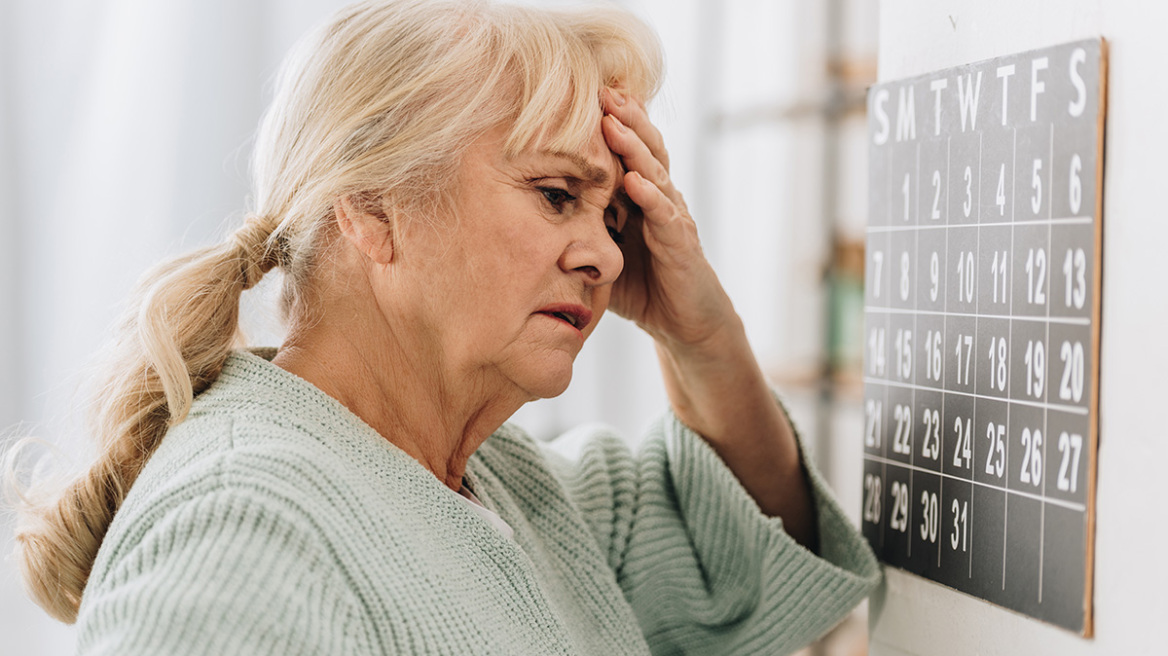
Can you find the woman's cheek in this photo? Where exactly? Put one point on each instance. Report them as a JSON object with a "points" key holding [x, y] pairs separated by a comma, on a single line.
{"points": [[600, 299]]}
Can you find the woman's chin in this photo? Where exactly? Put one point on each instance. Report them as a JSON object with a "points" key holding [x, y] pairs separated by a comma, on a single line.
{"points": [[548, 382]]}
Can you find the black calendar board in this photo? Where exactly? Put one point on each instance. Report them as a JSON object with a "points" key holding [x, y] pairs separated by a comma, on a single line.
{"points": [[982, 309]]}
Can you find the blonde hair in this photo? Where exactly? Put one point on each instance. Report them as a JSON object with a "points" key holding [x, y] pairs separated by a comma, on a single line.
{"points": [[380, 101]]}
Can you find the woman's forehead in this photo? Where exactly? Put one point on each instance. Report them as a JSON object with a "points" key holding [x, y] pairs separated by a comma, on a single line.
{"points": [[592, 164]]}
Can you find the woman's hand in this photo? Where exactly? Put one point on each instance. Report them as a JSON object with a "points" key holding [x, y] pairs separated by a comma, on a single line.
{"points": [[667, 286], [711, 375]]}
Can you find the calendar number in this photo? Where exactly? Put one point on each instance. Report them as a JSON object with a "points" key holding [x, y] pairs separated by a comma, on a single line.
{"points": [[962, 449], [898, 518], [996, 455], [874, 409], [931, 440], [934, 276], [905, 189], [1075, 190], [929, 516], [1070, 446], [877, 266], [1071, 388], [1031, 456], [965, 276], [872, 493], [964, 342], [999, 273], [1035, 362], [904, 354], [902, 439], [998, 368], [1001, 196], [936, 214], [960, 534], [967, 206], [1036, 187], [905, 265], [1036, 277], [1075, 270], [933, 355], [876, 351]]}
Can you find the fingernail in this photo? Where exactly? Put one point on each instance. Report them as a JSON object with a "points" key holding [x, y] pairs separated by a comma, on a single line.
{"points": [[619, 126], [617, 98]]}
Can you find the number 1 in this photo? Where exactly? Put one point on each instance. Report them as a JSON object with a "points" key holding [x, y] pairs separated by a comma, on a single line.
{"points": [[906, 189]]}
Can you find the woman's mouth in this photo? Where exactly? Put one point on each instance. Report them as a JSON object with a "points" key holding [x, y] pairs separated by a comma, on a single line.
{"points": [[576, 316]]}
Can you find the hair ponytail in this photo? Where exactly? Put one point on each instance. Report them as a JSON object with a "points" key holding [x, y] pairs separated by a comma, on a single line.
{"points": [[171, 345]]}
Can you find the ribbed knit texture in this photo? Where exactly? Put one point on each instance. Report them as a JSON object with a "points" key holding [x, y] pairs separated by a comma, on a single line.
{"points": [[274, 521]]}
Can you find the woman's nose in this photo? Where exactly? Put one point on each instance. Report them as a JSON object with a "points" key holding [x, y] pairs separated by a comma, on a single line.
{"points": [[594, 254]]}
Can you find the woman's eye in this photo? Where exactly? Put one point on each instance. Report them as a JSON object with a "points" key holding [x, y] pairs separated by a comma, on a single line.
{"points": [[611, 221], [556, 196]]}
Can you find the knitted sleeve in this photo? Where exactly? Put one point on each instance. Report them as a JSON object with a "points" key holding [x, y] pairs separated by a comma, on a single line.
{"points": [[704, 570], [224, 572]]}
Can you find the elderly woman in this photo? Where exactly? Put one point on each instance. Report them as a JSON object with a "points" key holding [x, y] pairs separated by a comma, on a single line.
{"points": [[455, 192]]}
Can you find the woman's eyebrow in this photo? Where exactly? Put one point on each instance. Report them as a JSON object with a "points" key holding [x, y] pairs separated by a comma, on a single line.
{"points": [[590, 172]]}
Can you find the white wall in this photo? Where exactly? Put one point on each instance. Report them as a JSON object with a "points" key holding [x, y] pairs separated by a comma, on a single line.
{"points": [[914, 616], [8, 252]]}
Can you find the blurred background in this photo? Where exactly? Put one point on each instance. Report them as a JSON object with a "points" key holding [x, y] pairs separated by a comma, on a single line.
{"points": [[125, 128]]}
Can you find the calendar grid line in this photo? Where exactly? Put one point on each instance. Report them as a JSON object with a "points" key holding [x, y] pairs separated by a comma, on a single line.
{"points": [[1070, 220], [1045, 428], [1063, 503], [1010, 337], [883, 477], [916, 302], [944, 325], [1071, 409], [1070, 321], [976, 309]]}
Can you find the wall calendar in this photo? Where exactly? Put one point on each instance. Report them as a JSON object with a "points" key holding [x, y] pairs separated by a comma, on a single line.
{"points": [[982, 318]]}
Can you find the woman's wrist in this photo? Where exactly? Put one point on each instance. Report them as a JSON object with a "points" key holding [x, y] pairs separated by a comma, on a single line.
{"points": [[715, 384], [718, 390]]}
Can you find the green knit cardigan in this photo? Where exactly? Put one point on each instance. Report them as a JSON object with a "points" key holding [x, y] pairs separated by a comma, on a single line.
{"points": [[274, 521]]}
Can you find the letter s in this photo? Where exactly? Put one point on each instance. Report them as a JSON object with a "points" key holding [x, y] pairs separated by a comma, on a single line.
{"points": [[881, 136], [1075, 107]]}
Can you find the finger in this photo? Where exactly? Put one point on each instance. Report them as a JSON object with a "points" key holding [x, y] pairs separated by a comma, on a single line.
{"points": [[636, 155], [666, 223], [633, 114]]}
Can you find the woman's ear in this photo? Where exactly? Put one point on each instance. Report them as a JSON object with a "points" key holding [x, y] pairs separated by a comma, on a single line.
{"points": [[364, 223]]}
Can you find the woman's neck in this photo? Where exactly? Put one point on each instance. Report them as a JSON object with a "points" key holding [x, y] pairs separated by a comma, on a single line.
{"points": [[405, 391]]}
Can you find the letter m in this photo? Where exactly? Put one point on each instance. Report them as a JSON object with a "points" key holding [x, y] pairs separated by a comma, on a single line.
{"points": [[906, 115]]}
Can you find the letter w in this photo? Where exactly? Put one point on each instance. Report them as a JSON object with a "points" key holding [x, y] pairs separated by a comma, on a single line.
{"points": [[968, 93]]}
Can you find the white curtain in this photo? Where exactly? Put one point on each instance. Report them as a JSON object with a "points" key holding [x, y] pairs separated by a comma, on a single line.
{"points": [[125, 128]]}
